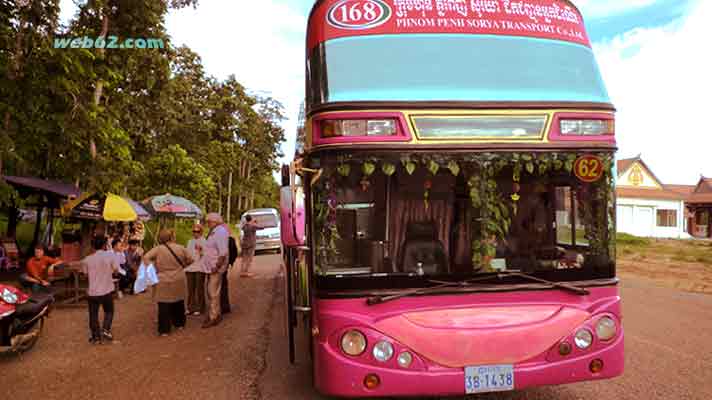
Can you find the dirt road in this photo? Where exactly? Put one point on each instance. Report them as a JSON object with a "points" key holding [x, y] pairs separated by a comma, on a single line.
{"points": [[223, 362], [668, 352]]}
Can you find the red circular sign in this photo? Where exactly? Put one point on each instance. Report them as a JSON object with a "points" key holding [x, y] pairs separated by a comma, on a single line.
{"points": [[359, 14], [588, 168]]}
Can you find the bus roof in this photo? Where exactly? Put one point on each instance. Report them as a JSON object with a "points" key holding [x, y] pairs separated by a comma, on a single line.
{"points": [[543, 19]]}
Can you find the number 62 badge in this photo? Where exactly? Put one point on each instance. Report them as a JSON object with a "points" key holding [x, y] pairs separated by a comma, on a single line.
{"points": [[588, 168]]}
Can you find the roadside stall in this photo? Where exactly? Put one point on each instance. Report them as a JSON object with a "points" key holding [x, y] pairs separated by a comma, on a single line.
{"points": [[40, 194], [109, 214], [91, 215]]}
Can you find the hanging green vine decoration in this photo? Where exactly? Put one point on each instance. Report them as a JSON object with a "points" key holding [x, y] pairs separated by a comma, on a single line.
{"points": [[344, 170], [325, 207], [495, 211], [367, 168], [433, 167], [388, 168], [408, 165], [596, 210], [453, 167]]}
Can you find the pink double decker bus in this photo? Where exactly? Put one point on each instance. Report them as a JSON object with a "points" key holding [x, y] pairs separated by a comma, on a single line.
{"points": [[448, 221]]}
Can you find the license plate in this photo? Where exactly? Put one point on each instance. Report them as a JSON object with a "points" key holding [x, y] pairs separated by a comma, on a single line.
{"points": [[489, 378]]}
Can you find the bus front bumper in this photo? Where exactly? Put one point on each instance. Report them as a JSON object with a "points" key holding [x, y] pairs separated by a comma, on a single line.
{"points": [[337, 375]]}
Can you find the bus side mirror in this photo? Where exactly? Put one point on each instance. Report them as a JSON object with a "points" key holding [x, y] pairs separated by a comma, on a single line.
{"points": [[292, 216], [285, 175]]}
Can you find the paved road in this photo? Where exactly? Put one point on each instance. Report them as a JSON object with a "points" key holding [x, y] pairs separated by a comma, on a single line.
{"points": [[668, 352]]}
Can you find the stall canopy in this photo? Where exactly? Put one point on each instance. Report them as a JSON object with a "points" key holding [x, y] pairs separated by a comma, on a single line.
{"points": [[51, 194], [26, 186]]}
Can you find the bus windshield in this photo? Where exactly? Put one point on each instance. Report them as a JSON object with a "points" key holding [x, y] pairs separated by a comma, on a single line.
{"points": [[459, 217], [453, 67]]}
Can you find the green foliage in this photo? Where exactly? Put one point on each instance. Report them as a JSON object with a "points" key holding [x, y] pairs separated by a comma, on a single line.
{"points": [[140, 122], [173, 171]]}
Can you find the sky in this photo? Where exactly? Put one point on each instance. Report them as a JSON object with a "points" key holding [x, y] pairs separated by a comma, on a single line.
{"points": [[651, 54]]}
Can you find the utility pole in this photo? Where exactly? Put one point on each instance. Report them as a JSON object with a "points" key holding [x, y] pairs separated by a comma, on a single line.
{"points": [[229, 195]]}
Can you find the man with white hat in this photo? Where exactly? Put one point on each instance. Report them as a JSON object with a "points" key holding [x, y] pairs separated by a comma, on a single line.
{"points": [[215, 264]]}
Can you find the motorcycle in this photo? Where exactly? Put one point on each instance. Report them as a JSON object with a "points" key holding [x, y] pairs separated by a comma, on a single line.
{"points": [[22, 318]]}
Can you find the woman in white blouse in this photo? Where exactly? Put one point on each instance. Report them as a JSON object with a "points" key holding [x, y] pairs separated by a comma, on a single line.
{"points": [[195, 277]]}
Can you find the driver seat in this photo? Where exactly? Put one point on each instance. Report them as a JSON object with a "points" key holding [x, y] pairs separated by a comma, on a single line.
{"points": [[422, 246]]}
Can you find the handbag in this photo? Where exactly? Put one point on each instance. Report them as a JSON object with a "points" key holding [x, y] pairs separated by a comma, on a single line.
{"points": [[145, 276], [151, 275], [140, 283], [176, 257]]}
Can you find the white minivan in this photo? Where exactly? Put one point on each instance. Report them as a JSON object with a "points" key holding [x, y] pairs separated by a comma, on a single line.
{"points": [[268, 237]]}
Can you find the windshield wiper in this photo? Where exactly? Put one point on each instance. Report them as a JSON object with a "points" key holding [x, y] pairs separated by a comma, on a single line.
{"points": [[370, 274], [571, 288], [440, 285], [500, 275]]}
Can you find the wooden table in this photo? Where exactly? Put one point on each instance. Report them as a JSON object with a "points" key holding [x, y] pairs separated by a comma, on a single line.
{"points": [[71, 276]]}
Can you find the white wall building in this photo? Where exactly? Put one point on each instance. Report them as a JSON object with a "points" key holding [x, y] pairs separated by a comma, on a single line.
{"points": [[646, 206]]}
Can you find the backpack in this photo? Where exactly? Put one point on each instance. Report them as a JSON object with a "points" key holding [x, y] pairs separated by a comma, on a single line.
{"points": [[232, 250]]}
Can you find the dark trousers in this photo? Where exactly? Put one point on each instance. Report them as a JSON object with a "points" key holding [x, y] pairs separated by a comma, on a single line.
{"points": [[196, 291], [170, 315], [34, 287], [224, 295], [126, 282], [107, 303]]}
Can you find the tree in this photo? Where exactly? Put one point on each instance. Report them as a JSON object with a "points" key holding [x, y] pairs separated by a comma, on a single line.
{"points": [[136, 121], [173, 171]]}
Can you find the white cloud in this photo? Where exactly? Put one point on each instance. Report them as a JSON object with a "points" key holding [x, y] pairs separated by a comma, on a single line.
{"points": [[260, 42], [607, 8], [660, 81], [67, 8]]}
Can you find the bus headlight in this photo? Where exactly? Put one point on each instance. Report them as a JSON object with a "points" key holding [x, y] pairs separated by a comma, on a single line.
{"points": [[583, 339], [358, 127], [405, 359], [353, 343], [587, 127], [383, 351], [606, 328]]}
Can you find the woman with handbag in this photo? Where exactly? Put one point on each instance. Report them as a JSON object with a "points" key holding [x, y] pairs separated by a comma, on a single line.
{"points": [[170, 259]]}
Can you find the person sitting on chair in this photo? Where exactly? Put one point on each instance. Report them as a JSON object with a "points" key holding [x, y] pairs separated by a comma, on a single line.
{"points": [[39, 268]]}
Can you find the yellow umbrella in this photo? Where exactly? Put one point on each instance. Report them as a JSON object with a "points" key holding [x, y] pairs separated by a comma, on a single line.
{"points": [[109, 207], [118, 209]]}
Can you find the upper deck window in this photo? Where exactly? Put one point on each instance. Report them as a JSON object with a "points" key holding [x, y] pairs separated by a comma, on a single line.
{"points": [[453, 67]]}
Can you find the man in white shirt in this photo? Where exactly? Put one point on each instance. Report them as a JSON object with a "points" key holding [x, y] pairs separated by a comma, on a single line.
{"points": [[99, 267], [215, 262]]}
